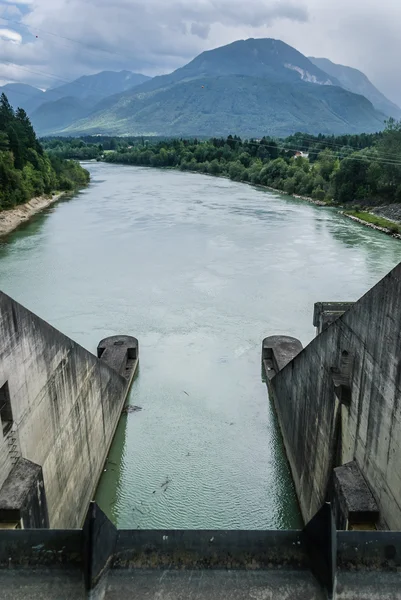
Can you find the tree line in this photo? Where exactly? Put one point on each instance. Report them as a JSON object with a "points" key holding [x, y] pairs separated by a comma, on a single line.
{"points": [[361, 169], [26, 170]]}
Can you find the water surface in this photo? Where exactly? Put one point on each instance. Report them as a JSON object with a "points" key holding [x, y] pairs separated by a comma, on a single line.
{"points": [[200, 270]]}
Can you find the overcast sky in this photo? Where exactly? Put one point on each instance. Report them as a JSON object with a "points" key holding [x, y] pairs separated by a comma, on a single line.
{"points": [[77, 37]]}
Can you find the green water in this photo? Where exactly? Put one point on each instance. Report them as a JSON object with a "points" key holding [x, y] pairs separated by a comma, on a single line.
{"points": [[200, 270]]}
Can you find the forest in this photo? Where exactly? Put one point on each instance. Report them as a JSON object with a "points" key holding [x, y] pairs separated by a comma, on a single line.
{"points": [[26, 170], [362, 169]]}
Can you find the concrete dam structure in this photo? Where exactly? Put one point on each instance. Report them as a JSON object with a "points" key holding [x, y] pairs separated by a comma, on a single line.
{"points": [[59, 408], [338, 406], [338, 403]]}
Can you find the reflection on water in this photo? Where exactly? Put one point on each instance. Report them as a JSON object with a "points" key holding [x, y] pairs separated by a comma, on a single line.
{"points": [[200, 270]]}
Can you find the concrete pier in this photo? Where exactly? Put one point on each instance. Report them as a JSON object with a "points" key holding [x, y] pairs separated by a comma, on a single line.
{"points": [[338, 406], [277, 352], [59, 409], [121, 353]]}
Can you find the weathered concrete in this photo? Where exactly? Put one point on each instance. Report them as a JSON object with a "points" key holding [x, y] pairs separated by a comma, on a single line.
{"points": [[65, 406], [23, 498], [213, 585], [325, 313], [339, 401], [197, 565], [277, 352], [121, 353], [355, 502]]}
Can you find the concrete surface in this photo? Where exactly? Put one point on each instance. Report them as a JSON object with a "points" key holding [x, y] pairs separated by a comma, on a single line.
{"points": [[357, 503], [23, 498], [325, 313], [42, 584], [278, 351], [212, 585], [319, 431], [66, 405], [120, 352]]}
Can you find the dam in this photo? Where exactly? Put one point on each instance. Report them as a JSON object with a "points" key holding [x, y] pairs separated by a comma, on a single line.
{"points": [[346, 482], [199, 489], [255, 264]]}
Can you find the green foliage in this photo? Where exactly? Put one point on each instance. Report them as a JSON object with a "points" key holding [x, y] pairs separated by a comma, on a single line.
{"points": [[26, 170], [375, 220], [347, 168]]}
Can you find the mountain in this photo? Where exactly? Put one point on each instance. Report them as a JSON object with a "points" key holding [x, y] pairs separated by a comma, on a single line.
{"points": [[59, 107], [51, 116], [267, 58], [355, 81], [250, 88], [248, 106], [22, 95], [98, 86]]}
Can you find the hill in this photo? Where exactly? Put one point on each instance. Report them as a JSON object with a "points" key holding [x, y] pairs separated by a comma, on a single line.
{"points": [[98, 86], [51, 116], [61, 106], [22, 95], [247, 106], [251, 88], [357, 82]]}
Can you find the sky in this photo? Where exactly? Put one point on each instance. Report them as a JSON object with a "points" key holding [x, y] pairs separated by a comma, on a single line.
{"points": [[48, 42]]}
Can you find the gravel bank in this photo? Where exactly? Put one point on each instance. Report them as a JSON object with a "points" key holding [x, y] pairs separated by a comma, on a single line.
{"points": [[11, 219]]}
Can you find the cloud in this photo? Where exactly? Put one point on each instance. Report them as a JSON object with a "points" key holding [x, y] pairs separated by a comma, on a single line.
{"points": [[153, 37], [10, 36], [27, 2], [202, 30], [157, 36]]}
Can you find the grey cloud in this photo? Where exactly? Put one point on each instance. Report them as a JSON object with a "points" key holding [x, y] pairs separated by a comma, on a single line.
{"points": [[156, 36], [153, 36], [202, 30]]}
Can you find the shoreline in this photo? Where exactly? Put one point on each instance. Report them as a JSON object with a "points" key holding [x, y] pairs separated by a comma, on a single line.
{"points": [[372, 225], [12, 218]]}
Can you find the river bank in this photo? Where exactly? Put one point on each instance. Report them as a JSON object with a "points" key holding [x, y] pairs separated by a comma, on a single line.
{"points": [[14, 217], [387, 230]]}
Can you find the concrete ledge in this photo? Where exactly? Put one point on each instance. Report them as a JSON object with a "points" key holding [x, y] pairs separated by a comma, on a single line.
{"points": [[210, 549], [356, 503], [277, 352], [199, 564], [23, 498], [325, 313], [121, 353]]}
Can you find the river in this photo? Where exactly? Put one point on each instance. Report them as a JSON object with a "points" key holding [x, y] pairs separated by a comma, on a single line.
{"points": [[200, 270]]}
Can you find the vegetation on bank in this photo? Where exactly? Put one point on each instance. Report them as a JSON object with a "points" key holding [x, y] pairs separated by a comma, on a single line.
{"points": [[374, 220], [362, 169], [26, 170]]}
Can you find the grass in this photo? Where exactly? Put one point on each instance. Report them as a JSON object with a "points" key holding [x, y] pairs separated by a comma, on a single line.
{"points": [[375, 220]]}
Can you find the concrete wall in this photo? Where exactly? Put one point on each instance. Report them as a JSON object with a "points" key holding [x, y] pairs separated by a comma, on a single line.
{"points": [[66, 405], [323, 427]]}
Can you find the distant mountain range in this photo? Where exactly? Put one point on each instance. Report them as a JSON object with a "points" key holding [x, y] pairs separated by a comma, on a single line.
{"points": [[59, 107], [355, 81], [251, 88]]}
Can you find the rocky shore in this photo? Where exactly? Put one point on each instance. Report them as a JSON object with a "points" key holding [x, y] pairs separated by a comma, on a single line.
{"points": [[11, 219]]}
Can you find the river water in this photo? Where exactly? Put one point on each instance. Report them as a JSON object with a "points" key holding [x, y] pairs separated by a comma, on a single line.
{"points": [[200, 270]]}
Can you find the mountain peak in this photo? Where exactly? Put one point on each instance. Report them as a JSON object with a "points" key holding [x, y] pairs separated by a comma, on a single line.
{"points": [[259, 57]]}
